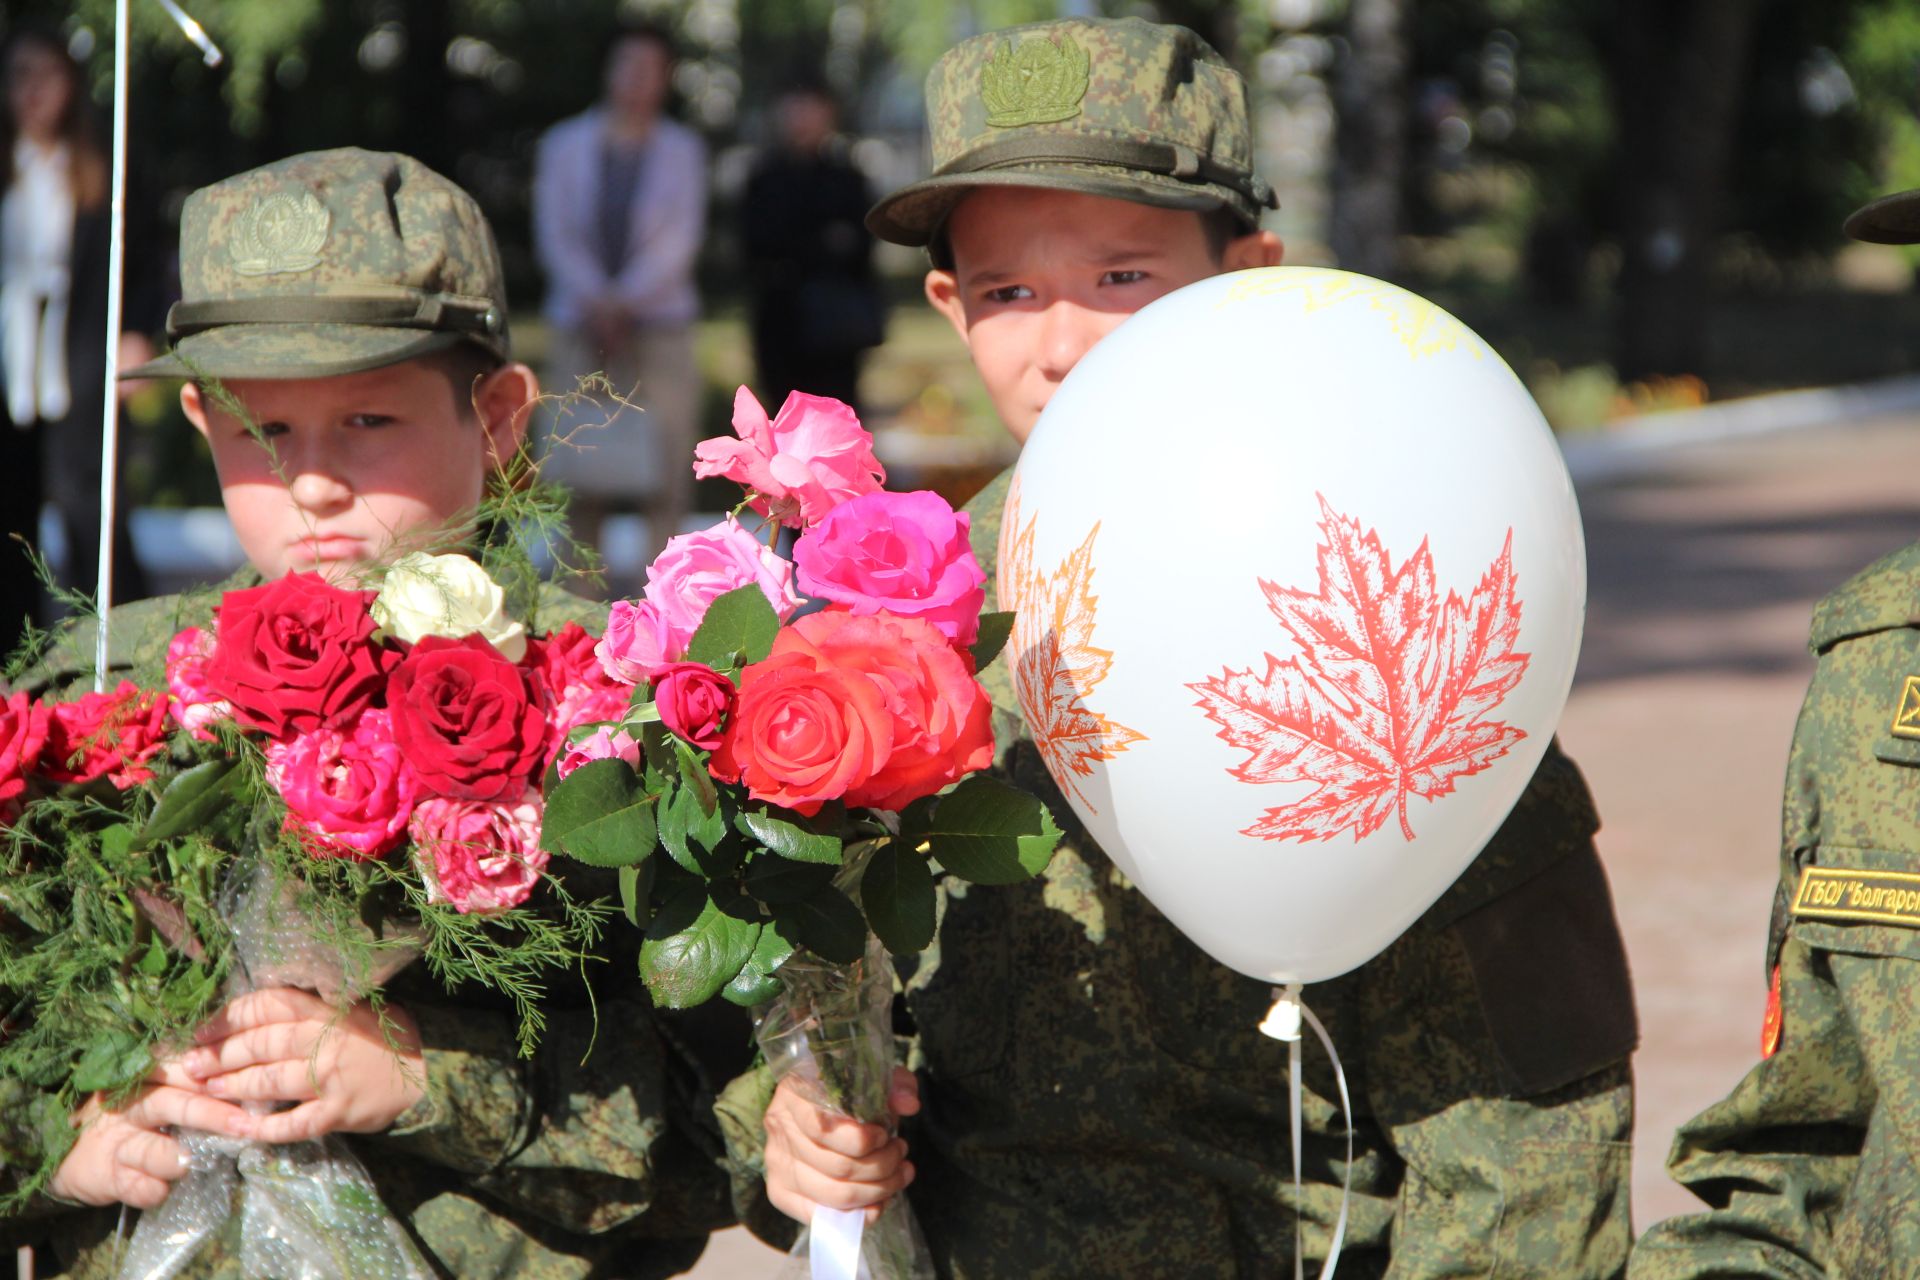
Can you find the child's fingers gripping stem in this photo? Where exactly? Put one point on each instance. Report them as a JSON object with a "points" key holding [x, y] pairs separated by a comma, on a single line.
{"points": [[820, 1158]]}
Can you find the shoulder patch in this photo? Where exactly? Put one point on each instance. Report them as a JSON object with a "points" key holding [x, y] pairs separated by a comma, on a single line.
{"points": [[1884, 595]]}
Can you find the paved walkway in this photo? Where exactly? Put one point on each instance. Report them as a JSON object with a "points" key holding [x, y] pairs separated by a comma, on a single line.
{"points": [[1703, 574]]}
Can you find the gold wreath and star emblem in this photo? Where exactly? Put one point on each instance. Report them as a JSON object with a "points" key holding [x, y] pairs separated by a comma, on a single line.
{"points": [[278, 233], [1906, 714], [1040, 83]]}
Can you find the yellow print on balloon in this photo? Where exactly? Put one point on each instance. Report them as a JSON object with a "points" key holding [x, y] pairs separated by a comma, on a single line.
{"points": [[1423, 328], [1056, 665]]}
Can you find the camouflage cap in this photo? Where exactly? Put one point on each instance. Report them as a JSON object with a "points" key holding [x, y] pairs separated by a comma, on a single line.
{"points": [[1123, 108], [1893, 219], [328, 263]]}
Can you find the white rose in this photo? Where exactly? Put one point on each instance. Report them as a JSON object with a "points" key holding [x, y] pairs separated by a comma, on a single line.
{"points": [[450, 596]]}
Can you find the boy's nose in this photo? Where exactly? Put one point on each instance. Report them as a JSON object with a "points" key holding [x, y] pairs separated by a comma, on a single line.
{"points": [[319, 489], [1066, 333]]}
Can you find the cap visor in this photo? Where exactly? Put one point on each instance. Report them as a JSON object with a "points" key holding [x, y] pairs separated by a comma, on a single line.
{"points": [[270, 351], [1893, 219], [914, 213]]}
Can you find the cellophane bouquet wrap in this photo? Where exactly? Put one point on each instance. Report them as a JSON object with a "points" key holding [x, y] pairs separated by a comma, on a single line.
{"points": [[321, 785], [803, 755]]}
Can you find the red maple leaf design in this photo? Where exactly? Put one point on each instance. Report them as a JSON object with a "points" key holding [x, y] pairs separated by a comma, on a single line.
{"points": [[1388, 696], [1057, 663]]}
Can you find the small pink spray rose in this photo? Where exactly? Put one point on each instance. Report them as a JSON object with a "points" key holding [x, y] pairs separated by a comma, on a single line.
{"points": [[810, 458]]}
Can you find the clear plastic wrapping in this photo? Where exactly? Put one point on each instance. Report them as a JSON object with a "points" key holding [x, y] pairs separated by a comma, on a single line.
{"points": [[830, 1030], [287, 1211]]}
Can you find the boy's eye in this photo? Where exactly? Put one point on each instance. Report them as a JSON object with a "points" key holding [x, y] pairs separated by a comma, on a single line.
{"points": [[1009, 293], [265, 430], [370, 420], [1123, 277]]}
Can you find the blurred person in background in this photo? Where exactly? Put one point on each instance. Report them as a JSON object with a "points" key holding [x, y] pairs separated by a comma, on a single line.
{"points": [[54, 228], [619, 212], [817, 307]]}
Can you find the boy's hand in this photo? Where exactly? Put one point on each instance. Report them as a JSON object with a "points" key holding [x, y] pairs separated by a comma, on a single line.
{"points": [[123, 1157], [287, 1045], [817, 1157]]}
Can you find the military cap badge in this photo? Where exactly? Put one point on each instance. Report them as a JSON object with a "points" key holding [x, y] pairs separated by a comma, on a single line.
{"points": [[1040, 83], [280, 232]]}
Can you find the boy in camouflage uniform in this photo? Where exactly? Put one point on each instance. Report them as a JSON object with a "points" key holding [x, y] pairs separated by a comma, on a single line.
{"points": [[352, 304], [1808, 1165], [1094, 1096]]}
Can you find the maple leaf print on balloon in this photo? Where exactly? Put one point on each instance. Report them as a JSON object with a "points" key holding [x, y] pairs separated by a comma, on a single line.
{"points": [[1056, 664], [1389, 695]]}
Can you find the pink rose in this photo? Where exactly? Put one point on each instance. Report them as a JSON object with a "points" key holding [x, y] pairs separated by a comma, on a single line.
{"points": [[638, 642], [23, 734], [481, 856], [579, 690], [808, 460], [694, 702], [348, 794], [192, 702], [604, 743], [698, 568], [907, 554]]}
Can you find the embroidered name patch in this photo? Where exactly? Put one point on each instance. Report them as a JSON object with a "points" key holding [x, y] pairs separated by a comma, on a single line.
{"points": [[1906, 716], [1833, 893]]}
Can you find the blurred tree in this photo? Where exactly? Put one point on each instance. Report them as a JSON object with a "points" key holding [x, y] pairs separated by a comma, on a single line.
{"points": [[1370, 94]]}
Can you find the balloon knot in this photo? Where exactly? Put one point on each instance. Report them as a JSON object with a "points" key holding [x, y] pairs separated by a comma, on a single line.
{"points": [[1283, 1020]]}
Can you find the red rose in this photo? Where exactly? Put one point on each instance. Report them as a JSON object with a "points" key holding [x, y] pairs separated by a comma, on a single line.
{"points": [[23, 732], [942, 718], [577, 689], [297, 655], [471, 724], [694, 701], [106, 735], [804, 730]]}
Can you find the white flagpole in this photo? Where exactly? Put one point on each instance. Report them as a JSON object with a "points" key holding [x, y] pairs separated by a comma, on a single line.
{"points": [[110, 432]]}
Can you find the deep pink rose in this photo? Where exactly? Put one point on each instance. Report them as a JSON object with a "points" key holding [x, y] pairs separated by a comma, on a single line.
{"points": [[604, 743], [105, 735], [481, 856], [638, 642], [297, 654], [348, 794], [697, 568], [578, 689], [907, 554], [471, 723], [23, 735], [812, 457], [694, 702], [191, 700]]}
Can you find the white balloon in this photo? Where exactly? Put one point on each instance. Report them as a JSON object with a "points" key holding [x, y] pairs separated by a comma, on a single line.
{"points": [[1292, 768]]}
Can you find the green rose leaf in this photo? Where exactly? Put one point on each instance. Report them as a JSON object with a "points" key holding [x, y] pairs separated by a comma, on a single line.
{"points": [[635, 884], [686, 962], [749, 988], [994, 630], [192, 800], [789, 839], [991, 833], [693, 773], [115, 1060], [756, 981], [601, 815], [897, 891], [827, 924], [739, 628], [776, 880]]}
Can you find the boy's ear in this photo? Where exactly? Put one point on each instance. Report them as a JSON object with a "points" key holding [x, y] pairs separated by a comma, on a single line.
{"points": [[1255, 249], [943, 291], [504, 399], [194, 405]]}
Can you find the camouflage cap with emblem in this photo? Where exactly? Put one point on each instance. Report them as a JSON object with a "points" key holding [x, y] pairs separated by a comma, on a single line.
{"points": [[328, 263], [1893, 219], [1123, 108]]}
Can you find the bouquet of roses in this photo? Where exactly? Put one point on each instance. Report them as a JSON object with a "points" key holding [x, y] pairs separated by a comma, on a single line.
{"points": [[787, 782], [332, 783]]}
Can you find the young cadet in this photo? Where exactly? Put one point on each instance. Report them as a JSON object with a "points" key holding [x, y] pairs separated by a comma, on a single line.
{"points": [[352, 304], [1808, 1166], [1094, 1098]]}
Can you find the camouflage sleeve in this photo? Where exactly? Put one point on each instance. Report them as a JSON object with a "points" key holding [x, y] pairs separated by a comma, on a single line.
{"points": [[742, 1112], [1774, 1158], [582, 1135]]}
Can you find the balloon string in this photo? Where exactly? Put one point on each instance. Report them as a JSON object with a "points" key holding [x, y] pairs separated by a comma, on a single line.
{"points": [[1283, 1023]]}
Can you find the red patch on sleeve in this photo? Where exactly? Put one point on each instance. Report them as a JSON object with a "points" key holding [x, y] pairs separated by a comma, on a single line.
{"points": [[1770, 1025]]}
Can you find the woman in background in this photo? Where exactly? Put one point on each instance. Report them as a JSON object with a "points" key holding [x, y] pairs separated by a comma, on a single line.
{"points": [[54, 213]]}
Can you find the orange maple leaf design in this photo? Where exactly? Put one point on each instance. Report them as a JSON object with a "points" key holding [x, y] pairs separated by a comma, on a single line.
{"points": [[1056, 663], [1388, 696]]}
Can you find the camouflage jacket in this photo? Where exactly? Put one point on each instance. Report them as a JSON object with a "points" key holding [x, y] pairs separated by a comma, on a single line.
{"points": [[569, 1164], [1808, 1166], [1098, 1100]]}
